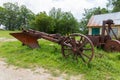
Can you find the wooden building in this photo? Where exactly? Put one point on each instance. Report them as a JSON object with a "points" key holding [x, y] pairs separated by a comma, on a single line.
{"points": [[95, 23]]}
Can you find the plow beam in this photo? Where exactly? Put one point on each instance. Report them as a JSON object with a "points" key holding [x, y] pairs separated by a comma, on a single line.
{"points": [[26, 39]]}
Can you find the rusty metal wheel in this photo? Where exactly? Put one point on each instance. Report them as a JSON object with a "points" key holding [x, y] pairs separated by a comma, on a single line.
{"points": [[79, 46], [112, 46]]}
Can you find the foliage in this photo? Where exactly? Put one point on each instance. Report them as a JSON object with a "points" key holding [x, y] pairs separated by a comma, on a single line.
{"points": [[114, 4], [56, 22], [65, 22], [43, 22], [11, 11], [2, 11], [25, 16], [13, 17]]}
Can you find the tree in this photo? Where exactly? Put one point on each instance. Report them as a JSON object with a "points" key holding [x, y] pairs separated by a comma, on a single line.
{"points": [[114, 4], [11, 11], [65, 23], [25, 16], [2, 16], [56, 13], [68, 24], [43, 22], [14, 17]]}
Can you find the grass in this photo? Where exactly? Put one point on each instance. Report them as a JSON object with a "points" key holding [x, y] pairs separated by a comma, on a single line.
{"points": [[104, 66], [5, 34]]}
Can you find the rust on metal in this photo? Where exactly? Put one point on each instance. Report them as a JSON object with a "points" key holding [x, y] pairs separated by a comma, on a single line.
{"points": [[104, 40], [69, 44], [26, 39], [112, 45]]}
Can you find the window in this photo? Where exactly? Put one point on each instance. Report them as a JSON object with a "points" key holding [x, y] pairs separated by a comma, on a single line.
{"points": [[95, 31]]}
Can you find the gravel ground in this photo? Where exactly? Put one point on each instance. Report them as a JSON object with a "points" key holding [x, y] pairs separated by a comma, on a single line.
{"points": [[14, 73], [10, 72]]}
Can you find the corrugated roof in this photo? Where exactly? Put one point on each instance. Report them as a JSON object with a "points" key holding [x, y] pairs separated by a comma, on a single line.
{"points": [[97, 20]]}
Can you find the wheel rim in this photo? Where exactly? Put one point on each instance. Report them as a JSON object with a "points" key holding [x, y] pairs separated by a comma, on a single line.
{"points": [[81, 47]]}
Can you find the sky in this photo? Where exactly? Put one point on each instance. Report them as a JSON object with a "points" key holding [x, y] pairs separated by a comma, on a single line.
{"points": [[76, 7]]}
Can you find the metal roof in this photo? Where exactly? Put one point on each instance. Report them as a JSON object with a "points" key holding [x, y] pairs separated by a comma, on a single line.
{"points": [[97, 20]]}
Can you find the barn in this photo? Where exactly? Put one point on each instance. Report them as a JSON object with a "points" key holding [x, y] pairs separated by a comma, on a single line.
{"points": [[95, 23]]}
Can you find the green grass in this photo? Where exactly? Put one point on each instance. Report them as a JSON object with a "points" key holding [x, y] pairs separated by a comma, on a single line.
{"points": [[5, 34], [104, 66]]}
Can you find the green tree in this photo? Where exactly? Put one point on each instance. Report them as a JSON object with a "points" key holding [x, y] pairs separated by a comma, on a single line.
{"points": [[14, 17], [43, 22], [25, 16], [65, 23], [2, 16], [114, 4], [11, 15]]}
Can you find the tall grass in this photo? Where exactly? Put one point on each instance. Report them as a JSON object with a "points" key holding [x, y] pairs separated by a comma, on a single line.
{"points": [[105, 66]]}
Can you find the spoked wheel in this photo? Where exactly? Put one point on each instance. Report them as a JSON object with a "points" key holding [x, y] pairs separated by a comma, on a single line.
{"points": [[79, 46]]}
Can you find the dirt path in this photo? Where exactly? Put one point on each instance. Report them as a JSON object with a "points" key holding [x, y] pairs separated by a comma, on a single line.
{"points": [[3, 39], [13, 73]]}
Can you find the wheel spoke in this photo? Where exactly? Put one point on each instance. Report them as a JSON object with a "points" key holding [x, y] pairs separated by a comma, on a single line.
{"points": [[81, 47], [86, 55], [67, 54], [82, 44], [81, 38], [82, 58], [66, 51]]}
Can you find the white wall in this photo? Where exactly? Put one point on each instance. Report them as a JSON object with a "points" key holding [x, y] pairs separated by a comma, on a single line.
{"points": [[89, 31]]}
